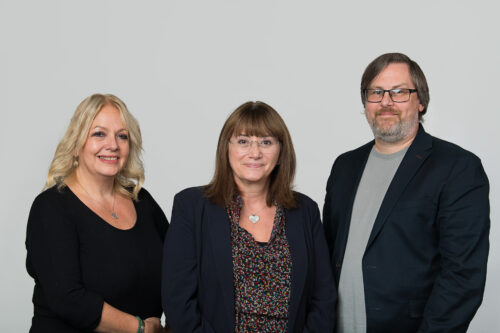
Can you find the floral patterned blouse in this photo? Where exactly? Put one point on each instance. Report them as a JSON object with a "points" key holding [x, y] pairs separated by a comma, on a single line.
{"points": [[261, 275]]}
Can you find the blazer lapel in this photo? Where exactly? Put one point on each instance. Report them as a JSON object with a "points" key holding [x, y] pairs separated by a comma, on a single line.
{"points": [[218, 225], [298, 251], [416, 155], [354, 174]]}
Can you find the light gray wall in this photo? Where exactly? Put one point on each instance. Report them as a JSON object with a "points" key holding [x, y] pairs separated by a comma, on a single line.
{"points": [[183, 66]]}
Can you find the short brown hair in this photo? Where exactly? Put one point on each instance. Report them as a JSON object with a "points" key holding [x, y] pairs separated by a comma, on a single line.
{"points": [[254, 119], [418, 77]]}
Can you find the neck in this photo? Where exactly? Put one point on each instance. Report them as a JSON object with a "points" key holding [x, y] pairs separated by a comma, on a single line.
{"points": [[95, 186], [253, 194], [391, 148]]}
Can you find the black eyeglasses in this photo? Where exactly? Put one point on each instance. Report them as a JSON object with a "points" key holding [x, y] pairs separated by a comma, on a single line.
{"points": [[398, 95]]}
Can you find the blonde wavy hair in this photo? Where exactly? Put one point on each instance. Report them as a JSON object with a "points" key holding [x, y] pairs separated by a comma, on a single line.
{"points": [[130, 179]]}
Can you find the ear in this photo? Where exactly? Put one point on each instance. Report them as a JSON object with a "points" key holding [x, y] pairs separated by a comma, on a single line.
{"points": [[420, 107]]}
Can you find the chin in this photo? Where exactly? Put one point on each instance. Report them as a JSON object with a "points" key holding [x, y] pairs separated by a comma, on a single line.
{"points": [[108, 173], [252, 179]]}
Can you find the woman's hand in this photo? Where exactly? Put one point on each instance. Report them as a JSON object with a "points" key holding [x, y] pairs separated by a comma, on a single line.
{"points": [[153, 325]]}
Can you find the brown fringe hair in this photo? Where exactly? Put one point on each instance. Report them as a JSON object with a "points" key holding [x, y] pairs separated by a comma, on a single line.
{"points": [[254, 119]]}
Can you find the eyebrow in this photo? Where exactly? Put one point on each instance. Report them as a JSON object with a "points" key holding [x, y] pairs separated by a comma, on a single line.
{"points": [[104, 128], [401, 85], [263, 136]]}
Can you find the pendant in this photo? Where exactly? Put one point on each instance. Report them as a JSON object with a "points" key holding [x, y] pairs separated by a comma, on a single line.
{"points": [[254, 218], [113, 214]]}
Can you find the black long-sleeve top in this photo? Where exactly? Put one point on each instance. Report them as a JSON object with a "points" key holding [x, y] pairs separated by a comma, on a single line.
{"points": [[78, 261]]}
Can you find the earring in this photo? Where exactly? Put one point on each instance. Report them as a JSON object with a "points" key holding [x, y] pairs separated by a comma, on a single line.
{"points": [[75, 161]]}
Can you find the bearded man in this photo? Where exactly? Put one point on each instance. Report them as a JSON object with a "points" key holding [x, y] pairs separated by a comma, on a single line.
{"points": [[406, 216]]}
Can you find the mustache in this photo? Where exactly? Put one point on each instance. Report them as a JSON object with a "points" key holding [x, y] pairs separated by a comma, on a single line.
{"points": [[391, 110]]}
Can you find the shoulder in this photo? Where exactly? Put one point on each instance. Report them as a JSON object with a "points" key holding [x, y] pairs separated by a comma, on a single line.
{"points": [[191, 194], [144, 195], [355, 154], [51, 208], [304, 201], [306, 213], [445, 149], [145, 198], [441, 151], [51, 197], [455, 163], [347, 165], [447, 163]]}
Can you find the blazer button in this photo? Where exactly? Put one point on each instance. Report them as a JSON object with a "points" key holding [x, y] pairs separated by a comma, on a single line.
{"points": [[337, 265]]}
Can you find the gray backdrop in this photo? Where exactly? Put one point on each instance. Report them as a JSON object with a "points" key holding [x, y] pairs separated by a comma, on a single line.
{"points": [[183, 66]]}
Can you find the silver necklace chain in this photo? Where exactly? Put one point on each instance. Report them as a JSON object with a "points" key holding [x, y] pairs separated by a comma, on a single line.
{"points": [[254, 217], [113, 213]]}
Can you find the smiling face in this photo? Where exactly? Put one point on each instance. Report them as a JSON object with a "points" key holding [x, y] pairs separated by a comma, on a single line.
{"points": [[394, 122], [254, 164], [107, 147]]}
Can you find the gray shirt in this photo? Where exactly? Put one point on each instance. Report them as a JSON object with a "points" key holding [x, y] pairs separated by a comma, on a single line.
{"points": [[376, 178]]}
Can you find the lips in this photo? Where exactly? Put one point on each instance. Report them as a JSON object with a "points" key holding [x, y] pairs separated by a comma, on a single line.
{"points": [[383, 112], [108, 158], [253, 165]]}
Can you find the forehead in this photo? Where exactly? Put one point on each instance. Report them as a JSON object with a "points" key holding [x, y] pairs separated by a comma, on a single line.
{"points": [[250, 130], [395, 74], [108, 114]]}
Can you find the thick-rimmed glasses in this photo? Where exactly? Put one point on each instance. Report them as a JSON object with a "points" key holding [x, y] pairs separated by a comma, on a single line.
{"points": [[243, 144], [398, 95]]}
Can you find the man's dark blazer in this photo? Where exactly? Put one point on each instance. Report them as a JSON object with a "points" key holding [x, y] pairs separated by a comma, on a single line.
{"points": [[424, 266], [197, 281]]}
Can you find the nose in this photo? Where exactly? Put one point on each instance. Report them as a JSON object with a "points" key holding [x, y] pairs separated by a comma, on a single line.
{"points": [[112, 143], [386, 99], [254, 149]]}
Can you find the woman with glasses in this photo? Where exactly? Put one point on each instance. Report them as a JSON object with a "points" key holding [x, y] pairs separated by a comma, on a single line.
{"points": [[245, 253], [94, 235]]}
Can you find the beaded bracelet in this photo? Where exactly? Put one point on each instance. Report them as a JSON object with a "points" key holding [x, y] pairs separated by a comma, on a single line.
{"points": [[141, 328]]}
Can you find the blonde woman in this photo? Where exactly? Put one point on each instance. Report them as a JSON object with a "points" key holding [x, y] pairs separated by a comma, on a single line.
{"points": [[94, 235]]}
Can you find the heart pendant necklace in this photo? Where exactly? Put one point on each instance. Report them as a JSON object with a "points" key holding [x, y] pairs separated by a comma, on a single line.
{"points": [[254, 218]]}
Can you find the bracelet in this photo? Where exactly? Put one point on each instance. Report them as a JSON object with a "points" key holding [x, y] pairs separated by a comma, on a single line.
{"points": [[142, 327]]}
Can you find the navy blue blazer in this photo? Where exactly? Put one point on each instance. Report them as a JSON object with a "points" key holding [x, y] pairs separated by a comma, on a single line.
{"points": [[424, 266], [197, 282]]}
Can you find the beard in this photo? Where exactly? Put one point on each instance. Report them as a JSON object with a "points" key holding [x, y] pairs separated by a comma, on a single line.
{"points": [[395, 132]]}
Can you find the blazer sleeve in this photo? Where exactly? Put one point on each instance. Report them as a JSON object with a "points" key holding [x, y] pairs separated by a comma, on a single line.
{"points": [[52, 243], [463, 224], [329, 225], [321, 314], [180, 270]]}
